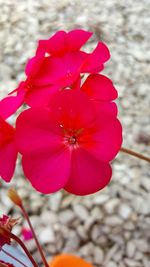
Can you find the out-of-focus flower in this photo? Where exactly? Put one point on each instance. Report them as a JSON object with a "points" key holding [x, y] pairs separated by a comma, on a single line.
{"points": [[6, 223], [8, 151], [26, 234], [70, 145], [66, 260]]}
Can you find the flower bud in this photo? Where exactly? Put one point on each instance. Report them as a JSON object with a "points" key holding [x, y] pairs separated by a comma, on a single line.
{"points": [[14, 197]]}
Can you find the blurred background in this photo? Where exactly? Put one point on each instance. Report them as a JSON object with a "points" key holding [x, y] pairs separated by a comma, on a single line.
{"points": [[110, 228]]}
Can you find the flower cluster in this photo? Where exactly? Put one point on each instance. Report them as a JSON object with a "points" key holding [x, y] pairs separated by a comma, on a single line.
{"points": [[70, 131]]}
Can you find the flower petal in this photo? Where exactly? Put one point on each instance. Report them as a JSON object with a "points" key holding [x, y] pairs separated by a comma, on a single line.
{"points": [[72, 109], [35, 63], [61, 71], [56, 45], [10, 104], [40, 96], [48, 172], [88, 175], [67, 260], [105, 140], [99, 87], [96, 59], [35, 131], [77, 38], [8, 157]]}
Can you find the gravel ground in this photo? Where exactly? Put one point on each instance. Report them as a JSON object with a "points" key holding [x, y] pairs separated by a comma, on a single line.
{"points": [[110, 228]]}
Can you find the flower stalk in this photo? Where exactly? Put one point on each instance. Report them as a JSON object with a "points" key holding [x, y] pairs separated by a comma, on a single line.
{"points": [[16, 199], [13, 257], [135, 154], [10, 235], [34, 236]]}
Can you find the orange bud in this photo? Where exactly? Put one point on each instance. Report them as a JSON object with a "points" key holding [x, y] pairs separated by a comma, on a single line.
{"points": [[14, 197]]}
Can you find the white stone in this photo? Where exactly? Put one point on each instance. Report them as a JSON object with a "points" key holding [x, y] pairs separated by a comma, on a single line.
{"points": [[130, 249], [46, 235], [98, 255], [81, 212], [124, 211]]}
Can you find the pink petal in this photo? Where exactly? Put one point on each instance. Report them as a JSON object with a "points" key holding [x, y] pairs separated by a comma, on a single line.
{"points": [[61, 71], [99, 87], [8, 157], [35, 63], [10, 104], [96, 59], [72, 109], [40, 96], [105, 110], [36, 132], [48, 172], [77, 38], [104, 142], [88, 175], [56, 45]]}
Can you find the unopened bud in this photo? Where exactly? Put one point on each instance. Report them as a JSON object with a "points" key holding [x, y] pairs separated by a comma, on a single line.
{"points": [[14, 197]]}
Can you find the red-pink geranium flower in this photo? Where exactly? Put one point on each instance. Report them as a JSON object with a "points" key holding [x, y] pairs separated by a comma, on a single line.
{"points": [[69, 145], [8, 151], [58, 63], [64, 60]]}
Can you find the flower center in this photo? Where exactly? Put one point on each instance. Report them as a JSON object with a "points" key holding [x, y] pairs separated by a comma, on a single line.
{"points": [[72, 140]]}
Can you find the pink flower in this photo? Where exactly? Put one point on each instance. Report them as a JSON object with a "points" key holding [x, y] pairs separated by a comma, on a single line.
{"points": [[26, 233], [65, 61], [8, 151], [70, 145], [59, 62]]}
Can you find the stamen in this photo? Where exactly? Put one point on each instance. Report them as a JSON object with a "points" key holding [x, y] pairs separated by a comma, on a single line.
{"points": [[72, 140]]}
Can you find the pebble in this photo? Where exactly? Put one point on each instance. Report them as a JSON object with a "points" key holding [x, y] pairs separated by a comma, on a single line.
{"points": [[124, 211], [113, 220], [81, 212], [100, 199], [111, 205], [132, 263], [66, 217], [130, 249], [55, 201], [98, 255], [142, 245], [46, 235], [111, 264]]}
